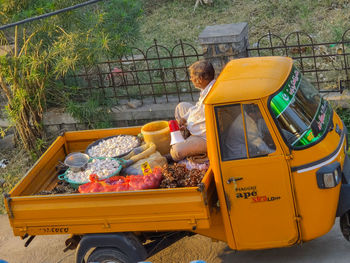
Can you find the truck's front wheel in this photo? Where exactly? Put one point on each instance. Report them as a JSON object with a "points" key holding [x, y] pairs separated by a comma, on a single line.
{"points": [[345, 225], [108, 254]]}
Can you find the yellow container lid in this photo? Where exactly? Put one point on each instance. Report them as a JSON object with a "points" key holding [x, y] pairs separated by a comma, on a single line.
{"points": [[157, 132], [155, 127]]}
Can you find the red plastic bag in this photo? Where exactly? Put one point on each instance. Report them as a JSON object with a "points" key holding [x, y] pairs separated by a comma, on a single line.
{"points": [[121, 183], [94, 186]]}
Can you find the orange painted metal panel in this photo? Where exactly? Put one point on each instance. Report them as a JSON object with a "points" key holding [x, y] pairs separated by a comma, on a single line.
{"points": [[249, 79], [255, 223], [216, 230], [317, 207], [213, 153], [173, 209], [321, 149]]}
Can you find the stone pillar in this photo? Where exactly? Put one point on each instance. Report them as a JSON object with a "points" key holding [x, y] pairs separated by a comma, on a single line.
{"points": [[221, 43]]}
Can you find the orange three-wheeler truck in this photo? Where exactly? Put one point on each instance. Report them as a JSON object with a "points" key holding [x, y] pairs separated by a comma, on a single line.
{"points": [[278, 176]]}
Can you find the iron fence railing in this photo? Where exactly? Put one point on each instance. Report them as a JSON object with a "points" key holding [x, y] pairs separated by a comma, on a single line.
{"points": [[158, 75], [325, 64]]}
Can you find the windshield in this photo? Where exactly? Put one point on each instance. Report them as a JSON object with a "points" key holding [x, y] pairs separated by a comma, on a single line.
{"points": [[301, 113]]}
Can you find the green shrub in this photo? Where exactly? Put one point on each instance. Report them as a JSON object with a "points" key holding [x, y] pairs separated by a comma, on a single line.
{"points": [[48, 49]]}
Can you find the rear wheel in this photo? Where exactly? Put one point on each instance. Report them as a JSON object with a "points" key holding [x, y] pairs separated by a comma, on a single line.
{"points": [[108, 254]]}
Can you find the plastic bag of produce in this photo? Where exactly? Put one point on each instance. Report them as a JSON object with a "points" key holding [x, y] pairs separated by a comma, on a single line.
{"points": [[141, 152], [190, 165], [177, 175], [154, 160], [121, 183], [95, 185]]}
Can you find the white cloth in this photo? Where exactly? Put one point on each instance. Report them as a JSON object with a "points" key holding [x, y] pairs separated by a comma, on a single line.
{"points": [[235, 141], [194, 115]]}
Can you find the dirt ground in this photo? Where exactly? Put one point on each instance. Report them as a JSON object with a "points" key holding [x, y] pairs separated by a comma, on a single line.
{"points": [[331, 248]]}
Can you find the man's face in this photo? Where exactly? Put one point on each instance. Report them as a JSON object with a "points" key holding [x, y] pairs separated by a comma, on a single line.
{"points": [[198, 82]]}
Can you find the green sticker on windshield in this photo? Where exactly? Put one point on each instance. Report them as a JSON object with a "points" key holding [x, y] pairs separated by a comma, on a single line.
{"points": [[322, 116], [321, 119], [282, 100], [301, 113]]}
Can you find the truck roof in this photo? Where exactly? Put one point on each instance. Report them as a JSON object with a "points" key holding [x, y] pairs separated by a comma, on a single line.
{"points": [[249, 78]]}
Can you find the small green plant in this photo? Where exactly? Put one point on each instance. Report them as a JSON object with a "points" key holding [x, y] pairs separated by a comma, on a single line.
{"points": [[95, 112], [23, 77]]}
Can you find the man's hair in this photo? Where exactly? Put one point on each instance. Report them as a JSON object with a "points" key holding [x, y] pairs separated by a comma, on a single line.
{"points": [[202, 69]]}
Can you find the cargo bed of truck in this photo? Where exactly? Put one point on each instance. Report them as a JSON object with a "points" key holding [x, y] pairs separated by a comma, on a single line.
{"points": [[146, 210]]}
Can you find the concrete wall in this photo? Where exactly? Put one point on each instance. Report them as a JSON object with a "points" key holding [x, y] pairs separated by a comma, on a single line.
{"points": [[122, 116]]}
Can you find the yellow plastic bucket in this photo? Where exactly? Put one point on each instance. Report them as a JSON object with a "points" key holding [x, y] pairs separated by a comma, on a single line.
{"points": [[157, 132]]}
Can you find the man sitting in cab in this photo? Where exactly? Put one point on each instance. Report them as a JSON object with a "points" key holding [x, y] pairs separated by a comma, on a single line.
{"points": [[258, 136]]}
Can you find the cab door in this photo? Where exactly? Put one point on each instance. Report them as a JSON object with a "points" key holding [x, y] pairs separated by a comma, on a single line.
{"points": [[256, 178]]}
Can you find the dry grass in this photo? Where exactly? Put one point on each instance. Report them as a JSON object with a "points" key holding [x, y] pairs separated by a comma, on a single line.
{"points": [[168, 20], [14, 171]]}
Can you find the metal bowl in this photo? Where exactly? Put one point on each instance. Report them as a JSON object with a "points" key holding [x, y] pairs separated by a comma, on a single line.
{"points": [[76, 184], [76, 161], [109, 137]]}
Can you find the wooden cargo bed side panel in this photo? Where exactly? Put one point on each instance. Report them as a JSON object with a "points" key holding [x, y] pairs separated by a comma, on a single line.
{"points": [[149, 210], [43, 171], [78, 141]]}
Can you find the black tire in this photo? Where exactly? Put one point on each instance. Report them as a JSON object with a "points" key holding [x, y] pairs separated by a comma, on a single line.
{"points": [[345, 225], [108, 254]]}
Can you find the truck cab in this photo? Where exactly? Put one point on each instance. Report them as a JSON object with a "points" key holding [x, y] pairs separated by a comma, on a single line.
{"points": [[277, 150]]}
